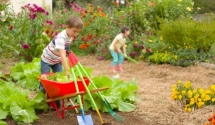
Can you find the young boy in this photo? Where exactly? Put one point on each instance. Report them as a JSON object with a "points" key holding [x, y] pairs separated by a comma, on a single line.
{"points": [[54, 55], [115, 49]]}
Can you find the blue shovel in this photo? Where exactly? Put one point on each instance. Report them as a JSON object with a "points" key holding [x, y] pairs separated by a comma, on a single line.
{"points": [[83, 119]]}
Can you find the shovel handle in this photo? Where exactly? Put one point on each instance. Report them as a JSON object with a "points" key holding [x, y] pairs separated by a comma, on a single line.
{"points": [[74, 105]]}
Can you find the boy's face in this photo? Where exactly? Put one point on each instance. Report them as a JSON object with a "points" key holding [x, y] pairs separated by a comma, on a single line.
{"points": [[127, 32], [72, 32]]}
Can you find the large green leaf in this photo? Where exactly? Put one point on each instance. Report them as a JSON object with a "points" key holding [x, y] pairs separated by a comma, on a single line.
{"points": [[3, 113], [19, 114], [125, 106], [2, 122]]}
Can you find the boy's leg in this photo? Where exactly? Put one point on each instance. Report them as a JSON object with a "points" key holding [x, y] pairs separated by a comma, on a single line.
{"points": [[121, 59], [45, 68], [115, 60], [57, 67]]}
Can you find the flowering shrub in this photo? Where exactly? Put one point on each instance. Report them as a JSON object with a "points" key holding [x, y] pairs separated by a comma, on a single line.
{"points": [[193, 98], [28, 30]]}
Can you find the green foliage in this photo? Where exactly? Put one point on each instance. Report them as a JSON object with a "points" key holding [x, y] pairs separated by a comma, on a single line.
{"points": [[186, 33], [121, 95], [26, 75], [204, 6], [14, 102]]}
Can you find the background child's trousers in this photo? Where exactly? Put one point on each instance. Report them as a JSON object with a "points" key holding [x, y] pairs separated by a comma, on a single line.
{"points": [[117, 58]]}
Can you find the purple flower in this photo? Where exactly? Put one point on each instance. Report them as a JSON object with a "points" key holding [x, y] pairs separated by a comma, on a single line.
{"points": [[40, 9], [47, 13], [25, 46], [11, 28], [133, 54], [148, 50], [32, 16], [135, 45], [49, 22], [100, 58]]}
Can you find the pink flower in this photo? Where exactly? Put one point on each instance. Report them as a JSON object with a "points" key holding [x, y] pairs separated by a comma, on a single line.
{"points": [[135, 45], [49, 22], [100, 58], [11, 28], [99, 40], [106, 36], [25, 46]]}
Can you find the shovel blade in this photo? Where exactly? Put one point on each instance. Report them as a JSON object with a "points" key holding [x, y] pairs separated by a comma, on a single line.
{"points": [[88, 120]]}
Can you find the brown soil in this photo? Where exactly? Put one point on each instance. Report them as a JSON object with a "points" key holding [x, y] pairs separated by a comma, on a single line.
{"points": [[154, 81]]}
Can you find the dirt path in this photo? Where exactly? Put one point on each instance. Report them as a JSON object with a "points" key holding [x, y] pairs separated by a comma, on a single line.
{"points": [[154, 81]]}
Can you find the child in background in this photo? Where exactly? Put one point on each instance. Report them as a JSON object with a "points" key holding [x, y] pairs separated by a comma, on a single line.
{"points": [[115, 49], [54, 55]]}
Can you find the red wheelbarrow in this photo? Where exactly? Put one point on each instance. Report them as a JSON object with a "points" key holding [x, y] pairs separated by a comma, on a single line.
{"points": [[64, 90]]}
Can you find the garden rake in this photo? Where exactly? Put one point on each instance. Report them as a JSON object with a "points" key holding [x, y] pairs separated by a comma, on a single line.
{"points": [[115, 115], [73, 61], [130, 59]]}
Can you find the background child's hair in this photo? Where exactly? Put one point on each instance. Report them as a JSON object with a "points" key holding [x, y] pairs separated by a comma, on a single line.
{"points": [[124, 28], [74, 21]]}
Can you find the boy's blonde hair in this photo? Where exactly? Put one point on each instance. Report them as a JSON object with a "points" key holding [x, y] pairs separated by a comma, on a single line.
{"points": [[74, 21]]}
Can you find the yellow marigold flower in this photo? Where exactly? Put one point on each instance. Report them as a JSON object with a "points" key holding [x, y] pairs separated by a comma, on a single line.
{"points": [[189, 109], [143, 51], [161, 38], [213, 99], [188, 9], [198, 8], [179, 0], [136, 42], [199, 99], [203, 96], [192, 102], [185, 109], [179, 97], [196, 96], [183, 92], [200, 104], [179, 82], [207, 98], [208, 92], [194, 91], [150, 41]]}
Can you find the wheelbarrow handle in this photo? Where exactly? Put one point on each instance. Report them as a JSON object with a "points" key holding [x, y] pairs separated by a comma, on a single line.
{"points": [[72, 59]]}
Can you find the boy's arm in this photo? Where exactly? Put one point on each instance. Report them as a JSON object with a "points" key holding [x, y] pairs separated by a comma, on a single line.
{"points": [[63, 60]]}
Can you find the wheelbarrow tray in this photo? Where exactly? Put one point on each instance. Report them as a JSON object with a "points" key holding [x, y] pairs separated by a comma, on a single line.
{"points": [[56, 89]]}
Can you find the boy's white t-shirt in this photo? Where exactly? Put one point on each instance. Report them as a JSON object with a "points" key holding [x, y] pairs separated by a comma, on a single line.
{"points": [[51, 53], [121, 41]]}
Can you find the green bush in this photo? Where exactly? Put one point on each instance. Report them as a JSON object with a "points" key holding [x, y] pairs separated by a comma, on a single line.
{"points": [[187, 33]]}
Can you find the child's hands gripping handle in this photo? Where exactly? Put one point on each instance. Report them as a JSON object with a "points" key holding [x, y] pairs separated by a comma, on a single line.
{"points": [[118, 51]]}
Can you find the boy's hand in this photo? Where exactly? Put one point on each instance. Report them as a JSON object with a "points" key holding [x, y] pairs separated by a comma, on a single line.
{"points": [[67, 73]]}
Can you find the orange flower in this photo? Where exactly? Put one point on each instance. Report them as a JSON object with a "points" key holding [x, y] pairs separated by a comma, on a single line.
{"points": [[86, 24], [115, 3], [151, 4], [88, 44]]}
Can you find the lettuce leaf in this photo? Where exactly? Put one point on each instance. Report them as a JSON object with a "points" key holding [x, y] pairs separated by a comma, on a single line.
{"points": [[121, 95]]}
